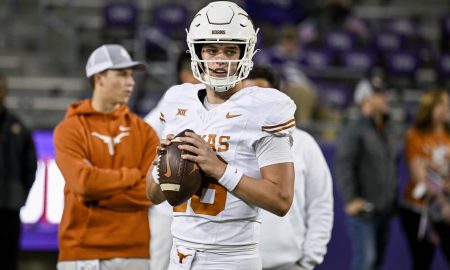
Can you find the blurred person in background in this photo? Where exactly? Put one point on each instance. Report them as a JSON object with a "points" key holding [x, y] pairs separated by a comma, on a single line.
{"points": [[184, 71], [184, 75], [286, 55], [333, 15], [303, 234], [161, 214], [104, 152], [17, 173], [425, 207], [365, 170]]}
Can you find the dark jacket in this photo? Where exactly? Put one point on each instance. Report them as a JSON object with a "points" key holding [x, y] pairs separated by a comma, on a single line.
{"points": [[365, 164], [17, 162]]}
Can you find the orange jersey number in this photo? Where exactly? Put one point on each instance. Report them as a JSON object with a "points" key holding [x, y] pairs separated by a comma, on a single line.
{"points": [[210, 209]]}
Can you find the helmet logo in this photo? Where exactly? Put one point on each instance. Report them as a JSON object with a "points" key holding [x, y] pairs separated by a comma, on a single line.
{"points": [[218, 32]]}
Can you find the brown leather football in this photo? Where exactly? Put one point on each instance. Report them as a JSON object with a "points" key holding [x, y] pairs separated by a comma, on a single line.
{"points": [[179, 178]]}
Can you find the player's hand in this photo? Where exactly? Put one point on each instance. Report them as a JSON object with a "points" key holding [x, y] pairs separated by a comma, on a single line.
{"points": [[202, 154], [445, 211], [355, 206], [163, 143]]}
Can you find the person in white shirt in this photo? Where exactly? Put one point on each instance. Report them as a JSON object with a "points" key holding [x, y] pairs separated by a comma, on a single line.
{"points": [[303, 234], [241, 139]]}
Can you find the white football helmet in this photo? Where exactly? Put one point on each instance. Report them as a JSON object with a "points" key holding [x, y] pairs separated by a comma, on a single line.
{"points": [[222, 22]]}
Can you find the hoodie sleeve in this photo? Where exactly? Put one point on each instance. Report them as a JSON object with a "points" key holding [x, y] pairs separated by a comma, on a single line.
{"points": [[135, 197], [132, 199], [319, 204], [83, 179]]}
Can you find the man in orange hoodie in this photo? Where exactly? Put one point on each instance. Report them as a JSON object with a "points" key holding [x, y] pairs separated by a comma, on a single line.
{"points": [[104, 151]]}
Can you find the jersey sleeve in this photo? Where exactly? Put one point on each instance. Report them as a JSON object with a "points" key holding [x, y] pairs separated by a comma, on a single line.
{"points": [[273, 150], [279, 121]]}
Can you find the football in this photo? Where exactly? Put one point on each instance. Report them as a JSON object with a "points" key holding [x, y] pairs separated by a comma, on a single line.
{"points": [[179, 179]]}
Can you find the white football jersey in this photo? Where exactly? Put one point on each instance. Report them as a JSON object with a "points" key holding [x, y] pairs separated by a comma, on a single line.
{"points": [[218, 220]]}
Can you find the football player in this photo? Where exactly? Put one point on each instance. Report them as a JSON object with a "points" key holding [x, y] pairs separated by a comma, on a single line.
{"points": [[303, 234], [242, 140]]}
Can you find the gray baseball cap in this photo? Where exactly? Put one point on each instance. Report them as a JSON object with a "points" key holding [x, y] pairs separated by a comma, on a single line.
{"points": [[111, 56], [364, 89]]}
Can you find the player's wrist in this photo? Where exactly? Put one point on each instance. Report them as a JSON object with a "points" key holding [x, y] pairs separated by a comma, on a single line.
{"points": [[219, 170], [230, 178]]}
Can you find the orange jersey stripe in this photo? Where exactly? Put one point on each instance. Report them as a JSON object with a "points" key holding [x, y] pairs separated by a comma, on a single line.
{"points": [[280, 129], [280, 125]]}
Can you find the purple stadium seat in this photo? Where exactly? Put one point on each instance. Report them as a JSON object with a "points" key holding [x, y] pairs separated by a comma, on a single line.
{"points": [[276, 12], [172, 19], [308, 33], [336, 96], [155, 43], [339, 40], [404, 63], [443, 65], [402, 26], [401, 68], [120, 22], [363, 60], [275, 60], [120, 15], [317, 57], [272, 57], [389, 41]]}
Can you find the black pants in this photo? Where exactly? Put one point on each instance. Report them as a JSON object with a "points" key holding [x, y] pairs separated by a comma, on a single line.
{"points": [[422, 251], [444, 233], [9, 238]]}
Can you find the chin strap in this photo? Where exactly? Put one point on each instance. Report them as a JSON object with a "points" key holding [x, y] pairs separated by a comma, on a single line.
{"points": [[221, 89], [220, 84]]}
